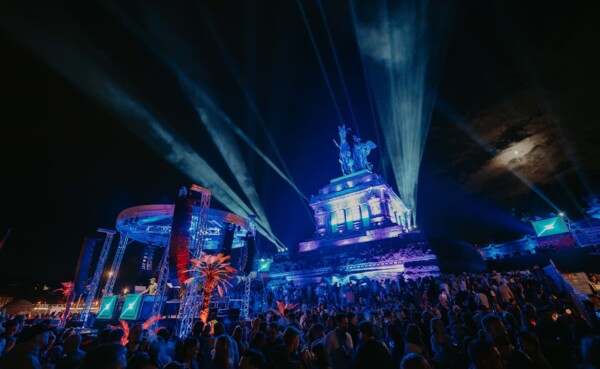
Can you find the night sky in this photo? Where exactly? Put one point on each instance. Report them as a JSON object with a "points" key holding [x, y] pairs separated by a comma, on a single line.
{"points": [[515, 77]]}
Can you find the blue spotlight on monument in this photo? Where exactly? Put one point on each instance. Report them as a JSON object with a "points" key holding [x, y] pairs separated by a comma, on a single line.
{"points": [[358, 207], [356, 212]]}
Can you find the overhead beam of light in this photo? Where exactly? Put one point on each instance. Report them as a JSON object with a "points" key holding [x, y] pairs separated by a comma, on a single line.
{"points": [[400, 47], [456, 118], [338, 65], [319, 59], [76, 58], [208, 110], [229, 61]]}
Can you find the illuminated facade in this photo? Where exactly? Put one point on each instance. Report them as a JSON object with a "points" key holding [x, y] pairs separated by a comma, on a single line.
{"points": [[356, 208]]}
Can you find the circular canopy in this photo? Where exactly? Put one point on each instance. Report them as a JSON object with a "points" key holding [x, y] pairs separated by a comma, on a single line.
{"points": [[151, 224]]}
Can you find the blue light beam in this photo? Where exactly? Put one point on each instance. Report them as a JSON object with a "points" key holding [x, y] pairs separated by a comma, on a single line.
{"points": [[401, 49]]}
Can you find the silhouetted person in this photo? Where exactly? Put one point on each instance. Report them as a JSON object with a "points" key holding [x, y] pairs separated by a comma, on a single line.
{"points": [[370, 350]]}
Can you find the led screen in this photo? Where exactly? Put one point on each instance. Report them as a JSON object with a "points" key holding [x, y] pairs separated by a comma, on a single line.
{"points": [[550, 226], [264, 265], [107, 307], [131, 306]]}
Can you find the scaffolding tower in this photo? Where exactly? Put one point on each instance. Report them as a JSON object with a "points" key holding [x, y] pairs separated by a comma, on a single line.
{"points": [[163, 276], [95, 281], [190, 304], [114, 269]]}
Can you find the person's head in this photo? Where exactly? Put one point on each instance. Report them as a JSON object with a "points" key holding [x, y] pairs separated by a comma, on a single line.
{"points": [[175, 365], [71, 344], [103, 335], [366, 330], [238, 333], [198, 327], [252, 359], [38, 334], [291, 338], [152, 280], [413, 334], [495, 330], [259, 341], [393, 332], [256, 323], [308, 322], [528, 343], [273, 331], [116, 335], [191, 346], [342, 323], [321, 356], [222, 347], [207, 329], [510, 320], [218, 329], [141, 360], [110, 355], [414, 361], [352, 318], [163, 334], [316, 331], [484, 355], [436, 327], [263, 326]]}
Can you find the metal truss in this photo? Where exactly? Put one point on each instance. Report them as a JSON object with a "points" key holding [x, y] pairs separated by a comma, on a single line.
{"points": [[93, 286], [114, 269], [245, 313], [163, 275], [190, 304]]}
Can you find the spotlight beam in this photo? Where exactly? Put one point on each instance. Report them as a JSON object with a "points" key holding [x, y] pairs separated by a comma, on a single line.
{"points": [[204, 106], [338, 65], [397, 46], [229, 61], [76, 58], [319, 59]]}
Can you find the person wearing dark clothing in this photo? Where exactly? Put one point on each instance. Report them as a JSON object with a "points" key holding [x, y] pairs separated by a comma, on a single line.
{"points": [[27, 354], [371, 350], [353, 327], [496, 333], [285, 356], [72, 354]]}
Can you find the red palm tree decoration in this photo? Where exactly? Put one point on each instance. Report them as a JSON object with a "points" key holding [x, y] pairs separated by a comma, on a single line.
{"points": [[282, 307], [216, 272], [66, 289]]}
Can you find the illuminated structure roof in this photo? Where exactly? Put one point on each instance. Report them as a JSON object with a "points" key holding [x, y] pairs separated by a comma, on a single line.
{"points": [[151, 224], [356, 208]]}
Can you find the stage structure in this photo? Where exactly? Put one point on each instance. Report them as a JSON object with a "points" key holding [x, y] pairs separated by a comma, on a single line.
{"points": [[96, 278], [360, 207], [196, 228]]}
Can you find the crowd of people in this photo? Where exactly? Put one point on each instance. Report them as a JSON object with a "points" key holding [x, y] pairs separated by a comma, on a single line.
{"points": [[484, 321]]}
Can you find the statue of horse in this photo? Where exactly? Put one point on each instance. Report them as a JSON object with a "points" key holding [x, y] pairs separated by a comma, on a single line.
{"points": [[346, 160]]}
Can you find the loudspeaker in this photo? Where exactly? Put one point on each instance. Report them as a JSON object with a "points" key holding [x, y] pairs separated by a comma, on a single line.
{"points": [[228, 238]]}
